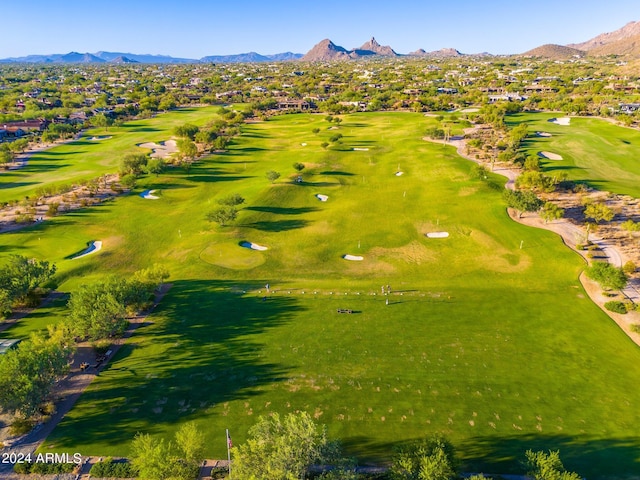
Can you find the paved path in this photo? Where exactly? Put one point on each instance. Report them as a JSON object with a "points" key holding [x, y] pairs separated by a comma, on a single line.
{"points": [[72, 386]]}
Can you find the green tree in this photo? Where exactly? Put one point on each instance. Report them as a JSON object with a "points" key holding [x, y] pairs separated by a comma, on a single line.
{"points": [[190, 441], [232, 200], [188, 150], [20, 276], [431, 459], [298, 166], [281, 449], [551, 211], [6, 156], [101, 121], [526, 201], [223, 216], [547, 466], [532, 163], [98, 310], [631, 226], [133, 164], [28, 373], [186, 131], [598, 211], [272, 175], [608, 276], [155, 166]]}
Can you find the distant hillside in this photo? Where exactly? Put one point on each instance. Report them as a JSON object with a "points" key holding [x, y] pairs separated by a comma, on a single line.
{"points": [[122, 59], [372, 47], [326, 51], [555, 52], [626, 46], [618, 37], [251, 57], [442, 53]]}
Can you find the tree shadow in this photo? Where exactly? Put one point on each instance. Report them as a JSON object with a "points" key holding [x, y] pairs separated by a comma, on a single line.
{"points": [[337, 173], [591, 458], [196, 355], [277, 225], [284, 210]]}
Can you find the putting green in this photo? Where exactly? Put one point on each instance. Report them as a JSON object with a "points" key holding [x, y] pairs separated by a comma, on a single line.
{"points": [[488, 337], [233, 256]]}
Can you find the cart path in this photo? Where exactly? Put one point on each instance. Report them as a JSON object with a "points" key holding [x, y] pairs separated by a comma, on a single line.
{"points": [[71, 387]]}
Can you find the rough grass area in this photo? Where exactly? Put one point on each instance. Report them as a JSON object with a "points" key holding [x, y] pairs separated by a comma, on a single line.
{"points": [[491, 344]]}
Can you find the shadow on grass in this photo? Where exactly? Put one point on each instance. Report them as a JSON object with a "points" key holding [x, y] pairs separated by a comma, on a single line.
{"points": [[284, 210], [15, 184], [197, 355], [337, 173], [590, 458], [277, 225]]}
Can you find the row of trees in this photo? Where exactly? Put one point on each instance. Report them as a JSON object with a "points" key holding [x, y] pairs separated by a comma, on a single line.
{"points": [[99, 310], [293, 447]]}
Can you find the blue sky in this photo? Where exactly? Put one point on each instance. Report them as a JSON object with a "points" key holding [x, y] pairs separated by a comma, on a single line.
{"points": [[196, 28]]}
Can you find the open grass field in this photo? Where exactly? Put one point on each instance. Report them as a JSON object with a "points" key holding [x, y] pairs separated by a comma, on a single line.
{"points": [[593, 150], [85, 159], [493, 345]]}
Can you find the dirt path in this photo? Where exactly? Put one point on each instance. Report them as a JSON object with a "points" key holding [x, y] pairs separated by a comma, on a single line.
{"points": [[571, 235], [72, 386]]}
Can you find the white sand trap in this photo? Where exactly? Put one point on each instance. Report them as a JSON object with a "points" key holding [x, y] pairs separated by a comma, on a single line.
{"points": [[438, 234], [550, 156], [162, 149], [92, 248], [561, 121], [303, 144], [469, 110], [399, 174], [543, 134], [360, 149], [253, 246], [148, 195], [322, 198], [97, 139], [355, 258]]}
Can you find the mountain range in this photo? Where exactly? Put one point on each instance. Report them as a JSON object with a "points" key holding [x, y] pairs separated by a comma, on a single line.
{"points": [[624, 41]]}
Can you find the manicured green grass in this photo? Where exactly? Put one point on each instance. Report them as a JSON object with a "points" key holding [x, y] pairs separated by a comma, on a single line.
{"points": [[493, 345], [593, 150], [86, 159]]}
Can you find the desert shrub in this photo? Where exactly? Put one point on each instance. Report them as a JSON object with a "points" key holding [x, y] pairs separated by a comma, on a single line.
{"points": [[20, 426], [629, 267], [110, 469], [616, 306], [44, 468]]}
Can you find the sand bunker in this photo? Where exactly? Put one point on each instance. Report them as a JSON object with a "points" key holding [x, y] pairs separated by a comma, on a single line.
{"points": [[148, 195], [303, 144], [92, 248], [360, 149], [322, 198], [550, 156], [97, 139], [162, 149], [561, 121], [470, 110], [399, 174], [253, 246], [543, 134], [355, 258], [438, 234]]}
